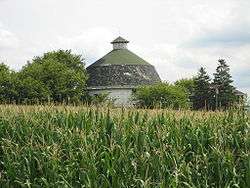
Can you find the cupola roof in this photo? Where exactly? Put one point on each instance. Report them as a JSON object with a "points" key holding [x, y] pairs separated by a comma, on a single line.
{"points": [[119, 40]]}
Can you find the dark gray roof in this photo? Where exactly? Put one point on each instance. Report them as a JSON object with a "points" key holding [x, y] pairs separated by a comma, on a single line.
{"points": [[119, 40], [121, 75]]}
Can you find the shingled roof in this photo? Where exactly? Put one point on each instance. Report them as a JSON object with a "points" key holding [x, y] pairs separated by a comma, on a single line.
{"points": [[120, 57], [119, 40], [121, 68]]}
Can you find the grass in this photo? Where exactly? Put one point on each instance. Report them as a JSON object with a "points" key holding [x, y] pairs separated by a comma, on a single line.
{"points": [[90, 147]]}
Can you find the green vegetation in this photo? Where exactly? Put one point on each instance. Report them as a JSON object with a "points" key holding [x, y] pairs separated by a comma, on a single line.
{"points": [[57, 76], [202, 96], [187, 84], [91, 147], [218, 94], [223, 83], [161, 95], [199, 93], [7, 84], [60, 77]]}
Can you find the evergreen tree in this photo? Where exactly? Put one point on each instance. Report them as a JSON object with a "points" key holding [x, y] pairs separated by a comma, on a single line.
{"points": [[201, 95], [222, 84]]}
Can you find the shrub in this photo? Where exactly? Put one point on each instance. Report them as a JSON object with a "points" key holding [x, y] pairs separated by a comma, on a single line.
{"points": [[161, 95]]}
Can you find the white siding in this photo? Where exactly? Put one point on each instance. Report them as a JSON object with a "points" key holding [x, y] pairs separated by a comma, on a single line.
{"points": [[121, 95]]}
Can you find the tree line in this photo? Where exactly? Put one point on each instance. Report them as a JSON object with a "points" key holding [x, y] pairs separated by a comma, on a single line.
{"points": [[57, 77], [199, 92], [60, 77]]}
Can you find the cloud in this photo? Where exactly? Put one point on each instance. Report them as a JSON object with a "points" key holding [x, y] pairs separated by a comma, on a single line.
{"points": [[224, 38], [177, 37], [9, 43], [242, 78], [7, 39], [233, 32], [91, 43]]}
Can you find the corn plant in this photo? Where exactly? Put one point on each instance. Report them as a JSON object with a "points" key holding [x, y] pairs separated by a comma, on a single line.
{"points": [[48, 146]]}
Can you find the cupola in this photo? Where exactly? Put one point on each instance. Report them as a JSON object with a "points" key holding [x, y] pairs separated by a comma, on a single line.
{"points": [[119, 43]]}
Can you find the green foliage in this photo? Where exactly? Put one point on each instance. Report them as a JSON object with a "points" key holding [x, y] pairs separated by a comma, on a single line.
{"points": [[248, 104], [161, 95], [51, 147], [223, 81], [32, 91], [59, 75], [201, 97], [7, 84], [101, 99], [186, 83]]}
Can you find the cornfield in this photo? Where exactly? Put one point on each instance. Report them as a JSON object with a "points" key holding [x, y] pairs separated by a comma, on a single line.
{"points": [[48, 146]]}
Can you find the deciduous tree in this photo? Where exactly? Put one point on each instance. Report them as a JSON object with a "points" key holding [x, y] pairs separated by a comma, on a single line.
{"points": [[61, 73], [8, 91], [186, 83]]}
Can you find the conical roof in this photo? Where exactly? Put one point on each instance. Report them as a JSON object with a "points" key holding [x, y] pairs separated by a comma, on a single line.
{"points": [[119, 40], [120, 57], [121, 68]]}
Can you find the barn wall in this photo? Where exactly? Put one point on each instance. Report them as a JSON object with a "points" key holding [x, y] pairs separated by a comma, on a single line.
{"points": [[121, 95]]}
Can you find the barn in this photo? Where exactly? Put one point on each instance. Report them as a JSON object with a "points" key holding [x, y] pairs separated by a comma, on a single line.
{"points": [[119, 72]]}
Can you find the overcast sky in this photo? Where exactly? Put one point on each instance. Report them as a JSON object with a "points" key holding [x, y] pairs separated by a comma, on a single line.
{"points": [[176, 36]]}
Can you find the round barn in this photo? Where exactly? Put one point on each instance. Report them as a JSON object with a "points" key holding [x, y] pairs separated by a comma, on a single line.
{"points": [[119, 72]]}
